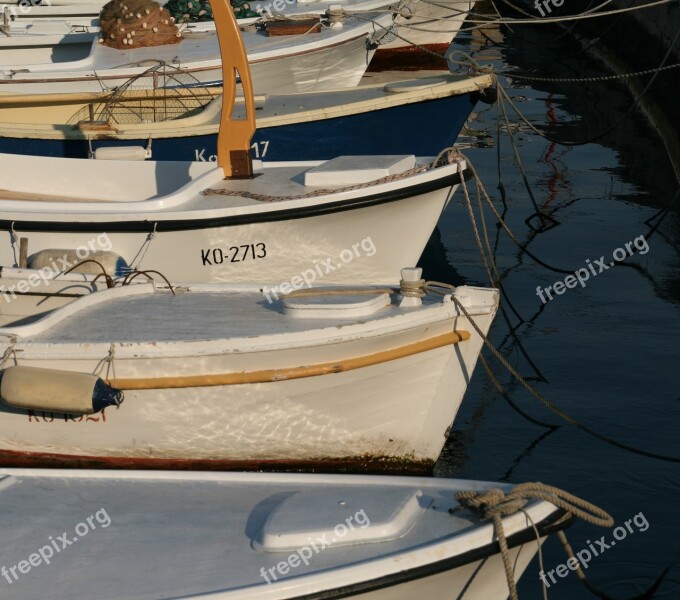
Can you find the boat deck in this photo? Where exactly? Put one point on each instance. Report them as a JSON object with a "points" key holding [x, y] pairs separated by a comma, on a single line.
{"points": [[162, 317], [199, 533]]}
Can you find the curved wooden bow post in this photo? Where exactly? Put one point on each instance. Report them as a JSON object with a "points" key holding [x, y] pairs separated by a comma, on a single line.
{"points": [[233, 139]]}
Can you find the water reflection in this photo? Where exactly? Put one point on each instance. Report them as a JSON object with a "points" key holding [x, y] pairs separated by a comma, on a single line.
{"points": [[606, 353]]}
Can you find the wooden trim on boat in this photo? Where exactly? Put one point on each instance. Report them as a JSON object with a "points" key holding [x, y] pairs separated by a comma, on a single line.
{"points": [[359, 464], [146, 225], [271, 375]]}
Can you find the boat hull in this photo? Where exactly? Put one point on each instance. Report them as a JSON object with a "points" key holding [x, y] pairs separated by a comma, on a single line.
{"points": [[433, 25], [338, 65], [365, 133], [282, 243], [478, 580], [396, 410]]}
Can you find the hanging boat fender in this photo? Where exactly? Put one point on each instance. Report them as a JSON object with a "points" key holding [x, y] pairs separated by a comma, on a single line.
{"points": [[57, 391], [488, 95], [112, 262], [122, 153]]}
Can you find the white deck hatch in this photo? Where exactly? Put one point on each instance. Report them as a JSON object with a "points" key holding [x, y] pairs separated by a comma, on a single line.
{"points": [[341, 517]]}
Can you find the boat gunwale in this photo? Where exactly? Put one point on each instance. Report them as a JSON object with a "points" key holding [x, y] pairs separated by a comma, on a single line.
{"points": [[29, 349], [176, 129], [152, 220]]}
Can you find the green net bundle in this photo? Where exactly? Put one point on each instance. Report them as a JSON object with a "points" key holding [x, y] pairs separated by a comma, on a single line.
{"points": [[193, 11]]}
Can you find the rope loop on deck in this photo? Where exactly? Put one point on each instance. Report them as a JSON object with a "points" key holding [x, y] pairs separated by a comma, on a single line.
{"points": [[413, 289], [495, 502]]}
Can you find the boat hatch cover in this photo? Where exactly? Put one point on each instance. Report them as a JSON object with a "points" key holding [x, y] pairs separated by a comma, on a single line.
{"points": [[351, 170], [348, 516], [335, 307]]}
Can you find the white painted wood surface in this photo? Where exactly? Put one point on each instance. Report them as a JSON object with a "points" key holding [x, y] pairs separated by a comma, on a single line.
{"points": [[400, 408], [165, 193], [430, 24], [281, 64], [178, 535]]}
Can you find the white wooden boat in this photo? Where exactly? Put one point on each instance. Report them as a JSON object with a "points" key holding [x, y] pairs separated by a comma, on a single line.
{"points": [[432, 25], [296, 215], [28, 41], [291, 214], [248, 536], [335, 57], [228, 376]]}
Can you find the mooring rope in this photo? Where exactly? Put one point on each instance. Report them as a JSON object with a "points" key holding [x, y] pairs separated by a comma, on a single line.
{"points": [[558, 411], [494, 504], [446, 289]]}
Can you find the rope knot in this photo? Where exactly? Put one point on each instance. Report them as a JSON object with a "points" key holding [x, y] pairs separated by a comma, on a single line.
{"points": [[490, 503]]}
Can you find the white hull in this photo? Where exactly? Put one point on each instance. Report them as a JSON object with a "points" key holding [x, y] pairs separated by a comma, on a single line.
{"points": [[144, 529], [288, 64], [401, 410], [480, 580], [291, 235], [398, 409], [38, 48], [433, 25], [291, 246]]}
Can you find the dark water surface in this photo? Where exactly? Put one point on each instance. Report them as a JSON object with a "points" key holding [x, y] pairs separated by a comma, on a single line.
{"points": [[608, 351]]}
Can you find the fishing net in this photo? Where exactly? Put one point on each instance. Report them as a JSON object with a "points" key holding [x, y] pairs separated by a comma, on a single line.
{"points": [[129, 24], [161, 93], [192, 11]]}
